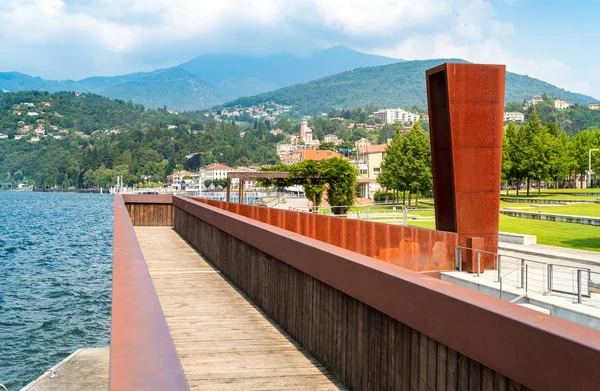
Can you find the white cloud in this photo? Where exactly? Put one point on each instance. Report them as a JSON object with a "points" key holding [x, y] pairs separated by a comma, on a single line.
{"points": [[118, 36]]}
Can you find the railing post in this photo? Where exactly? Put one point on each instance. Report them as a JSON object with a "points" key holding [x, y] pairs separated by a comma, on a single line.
{"points": [[499, 267], [526, 280], [458, 258], [522, 274], [478, 261], [579, 286], [549, 278]]}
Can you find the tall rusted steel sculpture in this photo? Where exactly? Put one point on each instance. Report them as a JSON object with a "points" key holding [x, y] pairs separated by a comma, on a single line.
{"points": [[466, 112]]}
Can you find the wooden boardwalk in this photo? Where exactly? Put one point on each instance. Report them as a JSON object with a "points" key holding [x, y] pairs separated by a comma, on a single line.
{"points": [[224, 341]]}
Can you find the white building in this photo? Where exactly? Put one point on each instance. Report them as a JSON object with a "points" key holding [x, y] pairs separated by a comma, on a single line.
{"points": [[561, 104], [392, 116], [332, 138], [514, 116], [215, 172], [594, 106], [3, 136], [536, 99], [363, 142]]}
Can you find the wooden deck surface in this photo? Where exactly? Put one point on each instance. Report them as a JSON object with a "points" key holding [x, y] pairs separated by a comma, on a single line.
{"points": [[224, 341]]}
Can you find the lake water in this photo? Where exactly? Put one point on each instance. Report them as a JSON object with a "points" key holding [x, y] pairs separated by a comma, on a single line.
{"points": [[55, 279]]}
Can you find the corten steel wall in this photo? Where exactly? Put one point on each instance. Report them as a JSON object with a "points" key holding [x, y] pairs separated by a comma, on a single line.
{"points": [[377, 326], [466, 114], [142, 353], [417, 249], [150, 210]]}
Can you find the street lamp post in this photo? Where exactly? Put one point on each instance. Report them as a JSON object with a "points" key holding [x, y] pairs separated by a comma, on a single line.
{"points": [[589, 172]]}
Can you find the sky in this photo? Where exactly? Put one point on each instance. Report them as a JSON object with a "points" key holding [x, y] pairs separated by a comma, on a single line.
{"points": [[71, 39]]}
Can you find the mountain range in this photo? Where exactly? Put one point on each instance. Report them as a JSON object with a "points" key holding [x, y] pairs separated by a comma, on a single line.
{"points": [[331, 78], [400, 84], [207, 80]]}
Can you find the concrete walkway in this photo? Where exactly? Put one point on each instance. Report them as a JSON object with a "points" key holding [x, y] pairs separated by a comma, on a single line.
{"points": [[551, 254], [86, 369], [224, 341]]}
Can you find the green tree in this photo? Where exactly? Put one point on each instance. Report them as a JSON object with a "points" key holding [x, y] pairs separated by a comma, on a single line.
{"points": [[392, 175], [417, 171], [341, 176]]}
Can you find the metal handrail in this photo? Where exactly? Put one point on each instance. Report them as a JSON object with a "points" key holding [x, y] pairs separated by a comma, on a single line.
{"points": [[524, 284], [548, 272]]}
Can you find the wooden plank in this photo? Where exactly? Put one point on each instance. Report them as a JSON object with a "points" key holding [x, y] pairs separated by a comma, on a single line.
{"points": [[487, 378], [451, 370], [423, 362], [442, 352], [224, 341], [431, 364], [474, 375], [463, 372], [414, 359]]}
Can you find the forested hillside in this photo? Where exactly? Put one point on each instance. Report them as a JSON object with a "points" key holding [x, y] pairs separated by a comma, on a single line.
{"points": [[396, 85], [76, 112]]}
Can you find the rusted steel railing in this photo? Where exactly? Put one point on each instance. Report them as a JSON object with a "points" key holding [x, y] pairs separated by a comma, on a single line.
{"points": [[142, 353], [378, 326], [413, 248]]}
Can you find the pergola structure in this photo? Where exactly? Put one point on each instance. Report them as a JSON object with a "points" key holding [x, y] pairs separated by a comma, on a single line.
{"points": [[253, 175]]}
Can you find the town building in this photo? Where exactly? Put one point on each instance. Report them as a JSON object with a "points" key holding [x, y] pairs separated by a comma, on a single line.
{"points": [[594, 106], [312, 154], [514, 116], [332, 138], [361, 143], [215, 172], [368, 163], [306, 135], [176, 177], [536, 99], [3, 136], [275, 132], [561, 104], [392, 116]]}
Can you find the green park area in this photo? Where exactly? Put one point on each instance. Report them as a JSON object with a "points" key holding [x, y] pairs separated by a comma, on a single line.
{"points": [[571, 235]]}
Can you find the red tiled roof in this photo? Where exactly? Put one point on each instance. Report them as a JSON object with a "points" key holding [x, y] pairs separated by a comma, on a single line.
{"points": [[378, 148], [318, 154], [218, 166]]}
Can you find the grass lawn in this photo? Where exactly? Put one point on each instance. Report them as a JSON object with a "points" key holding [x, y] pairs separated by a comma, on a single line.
{"points": [[562, 194], [591, 210], [578, 236]]}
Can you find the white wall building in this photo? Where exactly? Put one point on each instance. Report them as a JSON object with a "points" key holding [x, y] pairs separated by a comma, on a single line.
{"points": [[561, 104], [392, 116], [215, 172], [594, 106], [363, 142], [332, 138], [514, 116]]}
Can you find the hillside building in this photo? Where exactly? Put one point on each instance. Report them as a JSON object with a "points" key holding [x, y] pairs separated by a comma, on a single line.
{"points": [[594, 106], [393, 116], [514, 116], [332, 138], [561, 104], [536, 99]]}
